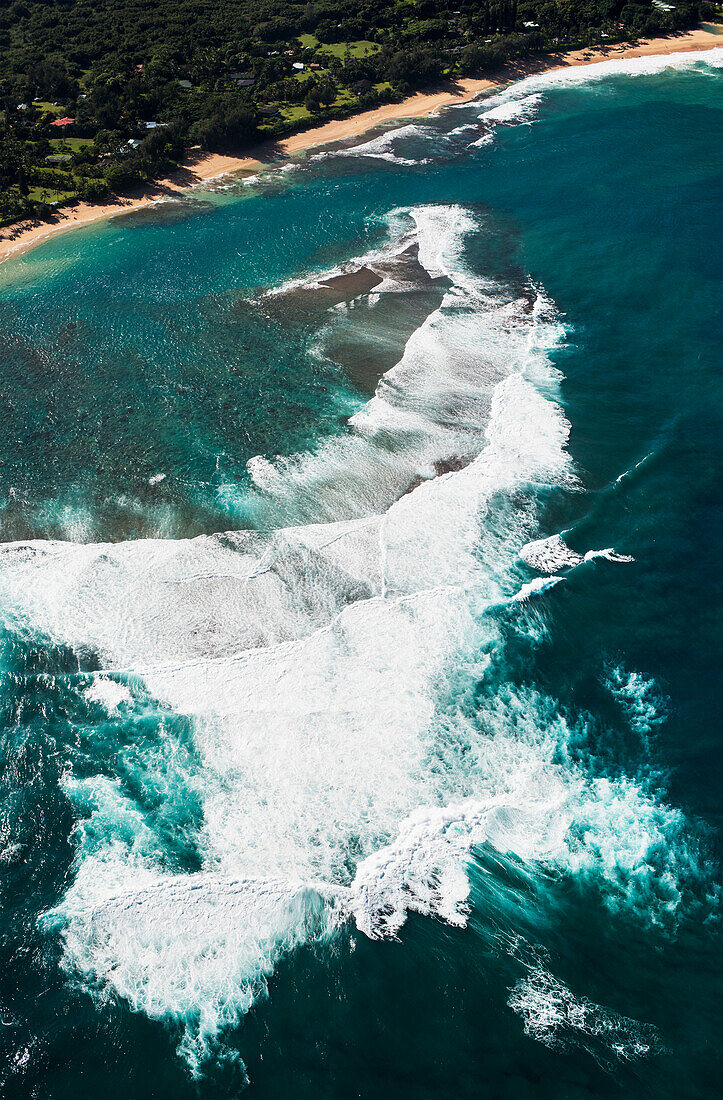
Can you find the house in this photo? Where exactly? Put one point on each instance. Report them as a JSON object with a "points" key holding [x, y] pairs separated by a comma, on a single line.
{"points": [[185, 84], [269, 112], [298, 65], [361, 86], [243, 80], [154, 125], [62, 122], [125, 150], [314, 65], [58, 158]]}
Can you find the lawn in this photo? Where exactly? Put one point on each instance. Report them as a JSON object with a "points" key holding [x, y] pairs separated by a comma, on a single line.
{"points": [[47, 194], [47, 170], [295, 113], [73, 144], [52, 108], [361, 48], [307, 74]]}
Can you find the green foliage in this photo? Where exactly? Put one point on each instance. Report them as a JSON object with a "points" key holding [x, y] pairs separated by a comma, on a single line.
{"points": [[414, 68], [362, 48], [122, 177], [95, 190], [116, 65], [228, 124]]}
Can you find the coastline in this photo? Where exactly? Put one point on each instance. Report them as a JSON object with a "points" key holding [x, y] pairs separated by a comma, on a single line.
{"points": [[23, 236]]}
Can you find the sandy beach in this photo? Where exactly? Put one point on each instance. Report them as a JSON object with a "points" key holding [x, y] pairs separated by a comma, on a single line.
{"points": [[202, 168]]}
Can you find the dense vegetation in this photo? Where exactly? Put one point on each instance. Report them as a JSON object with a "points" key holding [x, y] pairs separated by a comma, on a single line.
{"points": [[142, 83]]}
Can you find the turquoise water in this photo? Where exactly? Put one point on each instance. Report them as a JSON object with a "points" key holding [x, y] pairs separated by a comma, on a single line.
{"points": [[360, 700]]}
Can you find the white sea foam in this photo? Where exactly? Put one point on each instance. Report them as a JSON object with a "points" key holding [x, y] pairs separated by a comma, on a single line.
{"points": [[424, 870], [552, 554], [525, 95], [513, 110], [401, 236], [637, 466], [609, 554], [553, 1015], [487, 138], [432, 407], [549, 555], [194, 948], [536, 587], [528, 805], [641, 699], [383, 147], [464, 129], [327, 670], [441, 231], [109, 693], [262, 471]]}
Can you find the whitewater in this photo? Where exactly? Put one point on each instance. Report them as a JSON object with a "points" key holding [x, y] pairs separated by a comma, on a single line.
{"points": [[398, 752], [325, 662]]}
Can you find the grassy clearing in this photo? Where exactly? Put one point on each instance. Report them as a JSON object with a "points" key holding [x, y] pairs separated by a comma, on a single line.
{"points": [[362, 48], [48, 194], [51, 108], [308, 41], [63, 177], [72, 144], [295, 113]]}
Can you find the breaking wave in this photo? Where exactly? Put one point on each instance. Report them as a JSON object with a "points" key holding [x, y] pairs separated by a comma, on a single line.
{"points": [[514, 110], [519, 101], [552, 554], [339, 668], [383, 147]]}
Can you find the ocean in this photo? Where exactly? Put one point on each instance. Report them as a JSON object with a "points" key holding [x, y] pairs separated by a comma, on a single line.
{"points": [[360, 610]]}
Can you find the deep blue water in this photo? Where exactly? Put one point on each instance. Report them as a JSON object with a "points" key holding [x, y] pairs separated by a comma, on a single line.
{"points": [[331, 765]]}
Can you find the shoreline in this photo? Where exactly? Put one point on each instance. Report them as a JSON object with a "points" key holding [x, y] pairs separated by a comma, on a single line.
{"points": [[18, 239]]}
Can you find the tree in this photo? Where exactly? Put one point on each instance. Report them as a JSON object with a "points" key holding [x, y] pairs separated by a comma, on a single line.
{"points": [[326, 91], [228, 124], [94, 190], [414, 68], [122, 177], [312, 102]]}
